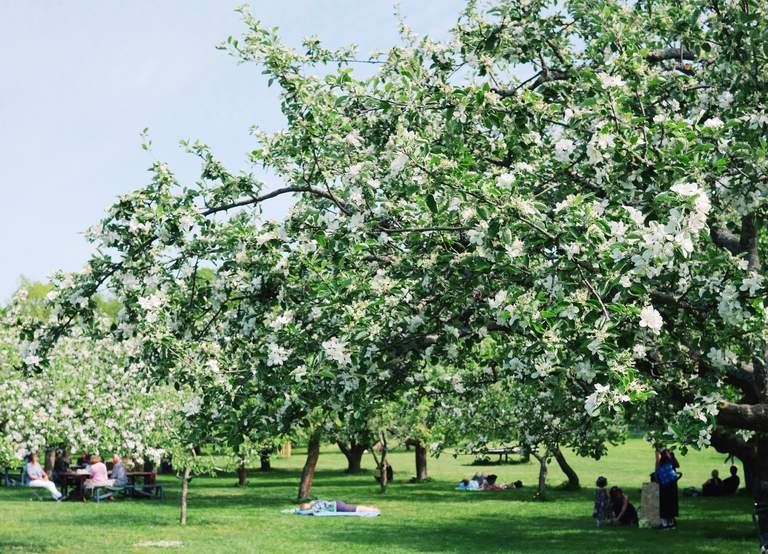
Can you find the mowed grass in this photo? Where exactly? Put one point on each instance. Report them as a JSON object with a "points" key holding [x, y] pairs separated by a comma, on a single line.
{"points": [[425, 517]]}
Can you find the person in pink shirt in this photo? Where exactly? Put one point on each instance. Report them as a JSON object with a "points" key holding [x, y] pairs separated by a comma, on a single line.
{"points": [[99, 475]]}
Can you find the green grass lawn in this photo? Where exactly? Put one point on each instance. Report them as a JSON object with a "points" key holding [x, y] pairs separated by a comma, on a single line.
{"points": [[427, 517]]}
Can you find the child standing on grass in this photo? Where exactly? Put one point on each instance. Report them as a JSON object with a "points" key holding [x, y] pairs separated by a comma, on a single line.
{"points": [[602, 511]]}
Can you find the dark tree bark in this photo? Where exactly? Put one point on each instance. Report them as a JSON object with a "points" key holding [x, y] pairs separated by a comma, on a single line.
{"points": [[354, 454], [421, 462], [573, 478], [242, 474], [50, 460], [308, 473], [760, 490], [184, 493], [265, 462]]}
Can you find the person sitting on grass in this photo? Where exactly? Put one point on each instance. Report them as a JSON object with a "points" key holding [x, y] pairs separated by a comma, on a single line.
{"points": [[119, 473], [624, 513], [338, 506], [98, 474], [603, 510], [731, 484], [37, 478], [713, 485]]}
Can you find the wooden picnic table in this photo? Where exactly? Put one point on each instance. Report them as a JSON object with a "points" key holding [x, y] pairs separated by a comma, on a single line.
{"points": [[150, 488], [148, 476], [76, 481], [503, 451]]}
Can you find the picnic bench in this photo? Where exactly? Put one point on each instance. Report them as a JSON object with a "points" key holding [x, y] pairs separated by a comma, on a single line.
{"points": [[14, 479], [503, 452], [73, 487], [74, 481], [149, 489]]}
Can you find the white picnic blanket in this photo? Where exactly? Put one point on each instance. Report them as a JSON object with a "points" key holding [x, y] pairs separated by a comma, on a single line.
{"points": [[330, 514]]}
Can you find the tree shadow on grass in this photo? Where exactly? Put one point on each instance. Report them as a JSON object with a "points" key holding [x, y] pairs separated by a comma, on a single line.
{"points": [[8, 546], [512, 534]]}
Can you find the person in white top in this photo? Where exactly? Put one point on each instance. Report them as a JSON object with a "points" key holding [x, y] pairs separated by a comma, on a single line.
{"points": [[37, 478]]}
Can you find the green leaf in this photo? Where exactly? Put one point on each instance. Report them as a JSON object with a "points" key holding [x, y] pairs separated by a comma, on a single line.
{"points": [[431, 204]]}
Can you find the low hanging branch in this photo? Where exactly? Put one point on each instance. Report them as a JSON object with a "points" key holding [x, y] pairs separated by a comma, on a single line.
{"points": [[285, 190]]}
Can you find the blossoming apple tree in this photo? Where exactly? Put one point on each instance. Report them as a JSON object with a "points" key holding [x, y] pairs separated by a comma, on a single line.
{"points": [[581, 181]]}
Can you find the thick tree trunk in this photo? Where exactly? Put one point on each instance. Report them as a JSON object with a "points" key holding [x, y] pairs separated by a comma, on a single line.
{"points": [[573, 478], [50, 459], [749, 473], [242, 474], [760, 490], [265, 463], [308, 473], [354, 454], [184, 492], [421, 462]]}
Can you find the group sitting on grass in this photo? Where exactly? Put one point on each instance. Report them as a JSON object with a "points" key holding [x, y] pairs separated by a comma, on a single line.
{"points": [[612, 506], [480, 481], [714, 486]]}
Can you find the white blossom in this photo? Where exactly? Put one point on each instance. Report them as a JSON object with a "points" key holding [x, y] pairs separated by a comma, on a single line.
{"points": [[651, 319]]}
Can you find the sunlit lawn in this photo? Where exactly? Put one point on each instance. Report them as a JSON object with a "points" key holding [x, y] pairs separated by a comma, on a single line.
{"points": [[427, 517]]}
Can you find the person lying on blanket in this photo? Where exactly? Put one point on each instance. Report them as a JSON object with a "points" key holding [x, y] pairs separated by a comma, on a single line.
{"points": [[315, 506]]}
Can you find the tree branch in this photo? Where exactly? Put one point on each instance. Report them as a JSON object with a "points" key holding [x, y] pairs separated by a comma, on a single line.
{"points": [[663, 54], [744, 416], [273, 194], [748, 241], [725, 239]]}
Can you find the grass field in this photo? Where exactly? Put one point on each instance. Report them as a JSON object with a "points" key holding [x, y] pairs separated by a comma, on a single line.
{"points": [[426, 517]]}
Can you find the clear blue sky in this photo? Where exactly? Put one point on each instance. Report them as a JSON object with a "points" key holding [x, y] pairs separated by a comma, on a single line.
{"points": [[80, 79]]}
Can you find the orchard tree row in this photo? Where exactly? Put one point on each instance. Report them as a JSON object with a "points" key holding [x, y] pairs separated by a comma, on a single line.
{"points": [[552, 221]]}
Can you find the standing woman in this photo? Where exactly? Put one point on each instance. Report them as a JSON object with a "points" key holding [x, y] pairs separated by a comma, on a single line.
{"points": [[667, 476]]}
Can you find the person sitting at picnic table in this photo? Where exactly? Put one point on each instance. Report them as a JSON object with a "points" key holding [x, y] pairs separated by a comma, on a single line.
{"points": [[84, 460], [713, 486], [37, 478], [316, 506], [624, 513], [98, 473], [61, 466], [119, 472]]}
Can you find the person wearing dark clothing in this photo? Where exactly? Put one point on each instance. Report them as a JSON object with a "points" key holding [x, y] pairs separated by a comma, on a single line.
{"points": [[731, 484], [84, 460], [713, 486], [624, 513], [668, 495], [60, 466]]}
